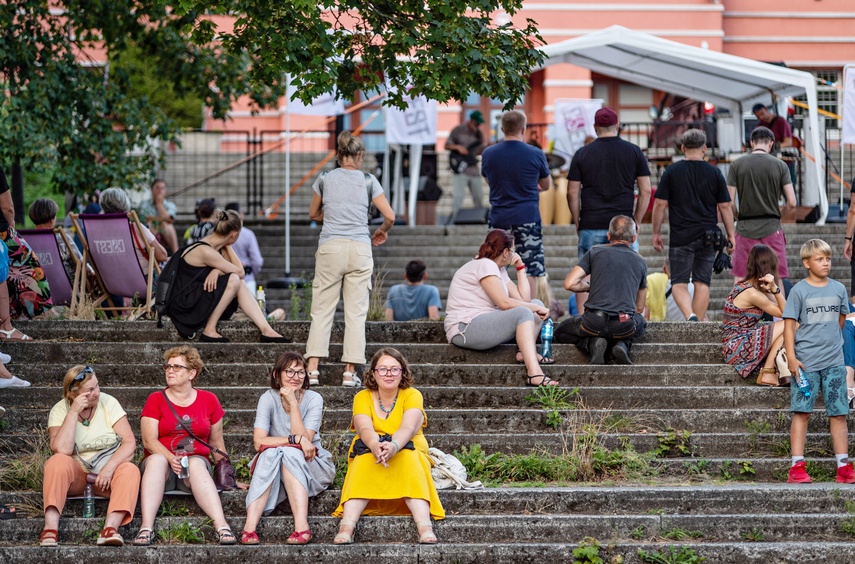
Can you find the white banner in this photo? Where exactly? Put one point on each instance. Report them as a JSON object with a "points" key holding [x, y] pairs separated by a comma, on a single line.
{"points": [[414, 126], [574, 122], [849, 104], [324, 105]]}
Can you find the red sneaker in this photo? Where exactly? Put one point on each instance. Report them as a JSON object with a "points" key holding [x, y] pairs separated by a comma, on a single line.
{"points": [[798, 474], [846, 474]]}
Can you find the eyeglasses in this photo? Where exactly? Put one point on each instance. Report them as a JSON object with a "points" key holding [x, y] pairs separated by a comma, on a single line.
{"points": [[295, 373], [174, 367], [81, 376], [382, 371]]}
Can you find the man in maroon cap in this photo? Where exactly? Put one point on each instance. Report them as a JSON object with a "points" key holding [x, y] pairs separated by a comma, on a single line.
{"points": [[602, 180]]}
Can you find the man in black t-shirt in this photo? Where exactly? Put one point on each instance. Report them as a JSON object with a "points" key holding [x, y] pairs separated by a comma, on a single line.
{"points": [[617, 295], [694, 191], [601, 185]]}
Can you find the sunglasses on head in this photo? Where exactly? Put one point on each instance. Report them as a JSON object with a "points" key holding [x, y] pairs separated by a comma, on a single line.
{"points": [[81, 376]]}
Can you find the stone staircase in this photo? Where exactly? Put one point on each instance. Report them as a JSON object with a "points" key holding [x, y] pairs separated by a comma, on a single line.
{"points": [[674, 455]]}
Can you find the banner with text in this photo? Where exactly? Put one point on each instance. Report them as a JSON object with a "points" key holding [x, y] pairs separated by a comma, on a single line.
{"points": [[574, 122], [415, 125], [325, 105]]}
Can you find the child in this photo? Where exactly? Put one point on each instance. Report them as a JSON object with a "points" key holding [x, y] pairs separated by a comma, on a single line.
{"points": [[818, 305]]}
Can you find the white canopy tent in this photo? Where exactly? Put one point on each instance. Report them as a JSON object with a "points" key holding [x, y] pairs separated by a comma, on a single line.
{"points": [[731, 82]]}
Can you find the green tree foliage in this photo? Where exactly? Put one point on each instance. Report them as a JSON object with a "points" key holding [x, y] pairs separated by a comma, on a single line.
{"points": [[443, 49], [91, 126]]}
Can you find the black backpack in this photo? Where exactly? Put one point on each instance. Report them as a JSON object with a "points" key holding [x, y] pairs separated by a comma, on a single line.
{"points": [[165, 283]]}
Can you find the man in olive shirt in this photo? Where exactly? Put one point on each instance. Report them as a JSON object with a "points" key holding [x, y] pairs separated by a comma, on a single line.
{"points": [[756, 183]]}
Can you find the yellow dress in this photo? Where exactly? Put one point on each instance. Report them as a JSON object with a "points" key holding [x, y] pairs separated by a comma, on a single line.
{"points": [[408, 474]]}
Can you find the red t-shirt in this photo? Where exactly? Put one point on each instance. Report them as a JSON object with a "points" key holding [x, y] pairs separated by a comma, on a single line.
{"points": [[199, 416]]}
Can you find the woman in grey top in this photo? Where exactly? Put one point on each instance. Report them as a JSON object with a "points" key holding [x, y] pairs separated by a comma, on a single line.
{"points": [[291, 461], [343, 263]]}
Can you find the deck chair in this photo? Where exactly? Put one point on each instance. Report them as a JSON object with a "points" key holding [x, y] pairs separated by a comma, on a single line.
{"points": [[109, 243], [46, 246]]}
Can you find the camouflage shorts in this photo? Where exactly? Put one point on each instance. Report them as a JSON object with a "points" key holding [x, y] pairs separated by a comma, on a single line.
{"points": [[528, 240]]}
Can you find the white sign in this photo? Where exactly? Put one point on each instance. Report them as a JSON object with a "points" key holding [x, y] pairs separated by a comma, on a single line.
{"points": [[414, 126], [849, 104], [323, 105], [574, 122]]}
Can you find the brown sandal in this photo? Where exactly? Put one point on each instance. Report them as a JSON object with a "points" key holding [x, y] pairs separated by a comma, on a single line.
{"points": [[49, 538], [764, 380]]}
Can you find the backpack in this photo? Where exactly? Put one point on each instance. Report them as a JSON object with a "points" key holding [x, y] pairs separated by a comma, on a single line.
{"points": [[369, 185], [165, 283], [448, 472]]}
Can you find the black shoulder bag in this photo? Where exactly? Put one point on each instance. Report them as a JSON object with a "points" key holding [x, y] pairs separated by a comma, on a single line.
{"points": [[224, 472]]}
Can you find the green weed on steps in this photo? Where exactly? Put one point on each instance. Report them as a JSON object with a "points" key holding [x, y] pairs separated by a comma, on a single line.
{"points": [[673, 555]]}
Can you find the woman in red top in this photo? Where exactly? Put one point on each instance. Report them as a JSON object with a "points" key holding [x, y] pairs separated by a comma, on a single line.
{"points": [[163, 437]]}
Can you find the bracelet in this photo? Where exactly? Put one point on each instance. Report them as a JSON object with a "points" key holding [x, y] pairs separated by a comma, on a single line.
{"points": [[397, 448], [776, 292], [290, 439], [848, 238], [520, 268]]}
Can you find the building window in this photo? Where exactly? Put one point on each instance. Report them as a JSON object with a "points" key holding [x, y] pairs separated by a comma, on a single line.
{"points": [[827, 94]]}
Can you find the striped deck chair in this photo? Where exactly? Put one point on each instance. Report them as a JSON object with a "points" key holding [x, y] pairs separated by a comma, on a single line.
{"points": [[109, 245], [46, 243]]}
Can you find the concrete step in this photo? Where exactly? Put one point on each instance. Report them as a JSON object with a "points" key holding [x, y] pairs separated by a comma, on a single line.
{"points": [[694, 499], [232, 373]]}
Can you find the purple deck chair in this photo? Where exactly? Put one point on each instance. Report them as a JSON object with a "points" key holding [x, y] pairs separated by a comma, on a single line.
{"points": [[44, 243], [109, 245]]}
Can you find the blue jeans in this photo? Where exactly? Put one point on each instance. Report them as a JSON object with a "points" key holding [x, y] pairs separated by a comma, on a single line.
{"points": [[590, 237]]}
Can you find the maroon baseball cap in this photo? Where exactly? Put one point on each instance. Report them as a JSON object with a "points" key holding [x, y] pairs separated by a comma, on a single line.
{"points": [[605, 117]]}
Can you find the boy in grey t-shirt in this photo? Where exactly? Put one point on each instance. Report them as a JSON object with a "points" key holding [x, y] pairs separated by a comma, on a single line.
{"points": [[817, 306]]}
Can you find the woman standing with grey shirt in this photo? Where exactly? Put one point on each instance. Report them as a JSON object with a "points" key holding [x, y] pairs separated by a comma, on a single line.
{"points": [[343, 262]]}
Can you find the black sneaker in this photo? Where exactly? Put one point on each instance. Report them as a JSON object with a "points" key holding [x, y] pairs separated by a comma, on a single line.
{"points": [[620, 353], [597, 349]]}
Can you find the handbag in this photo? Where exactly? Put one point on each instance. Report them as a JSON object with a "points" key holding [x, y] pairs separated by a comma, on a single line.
{"points": [[224, 471], [95, 464], [448, 472], [4, 261], [359, 447], [782, 366]]}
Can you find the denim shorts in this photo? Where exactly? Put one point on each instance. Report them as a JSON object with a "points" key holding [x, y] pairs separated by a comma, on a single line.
{"points": [[695, 260], [590, 237], [832, 382]]}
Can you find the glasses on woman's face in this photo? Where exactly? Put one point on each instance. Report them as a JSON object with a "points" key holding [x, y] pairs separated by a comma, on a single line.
{"points": [[174, 367], [383, 371], [291, 373]]}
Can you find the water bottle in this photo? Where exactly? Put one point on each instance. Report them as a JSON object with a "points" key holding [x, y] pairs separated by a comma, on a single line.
{"points": [[262, 300], [802, 381], [185, 463], [546, 332], [89, 497]]}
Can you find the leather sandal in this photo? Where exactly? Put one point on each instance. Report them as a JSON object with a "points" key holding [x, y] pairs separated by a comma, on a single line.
{"points": [[427, 536], [764, 380], [313, 377], [49, 538], [249, 538], [547, 381], [540, 358], [226, 536], [110, 537], [300, 537], [342, 537], [144, 537]]}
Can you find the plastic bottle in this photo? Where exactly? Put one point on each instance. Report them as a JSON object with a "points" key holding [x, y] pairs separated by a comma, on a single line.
{"points": [[802, 381], [88, 498], [185, 463], [262, 300], [546, 332]]}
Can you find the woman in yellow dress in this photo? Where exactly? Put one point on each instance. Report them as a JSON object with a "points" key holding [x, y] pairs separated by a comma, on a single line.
{"points": [[388, 469]]}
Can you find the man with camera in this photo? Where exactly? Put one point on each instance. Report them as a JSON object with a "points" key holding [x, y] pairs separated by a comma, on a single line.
{"points": [[694, 192], [465, 143]]}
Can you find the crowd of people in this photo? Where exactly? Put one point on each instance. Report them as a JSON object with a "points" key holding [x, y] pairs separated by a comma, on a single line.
{"points": [[780, 335]]}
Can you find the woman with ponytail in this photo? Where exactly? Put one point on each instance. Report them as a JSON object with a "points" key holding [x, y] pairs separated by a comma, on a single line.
{"points": [[208, 286], [343, 262], [485, 308]]}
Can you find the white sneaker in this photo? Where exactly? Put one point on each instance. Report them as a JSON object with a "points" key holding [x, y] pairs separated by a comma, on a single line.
{"points": [[2, 411], [13, 382], [5, 358]]}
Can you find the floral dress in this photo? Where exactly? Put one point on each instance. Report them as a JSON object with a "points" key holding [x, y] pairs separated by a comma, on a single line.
{"points": [[29, 292], [745, 341]]}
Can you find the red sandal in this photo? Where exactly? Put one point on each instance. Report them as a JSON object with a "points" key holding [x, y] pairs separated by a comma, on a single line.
{"points": [[249, 538], [110, 537], [301, 537], [49, 538]]}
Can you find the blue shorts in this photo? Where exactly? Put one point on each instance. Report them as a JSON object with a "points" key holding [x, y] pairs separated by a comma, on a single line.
{"points": [[832, 382], [590, 237]]}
